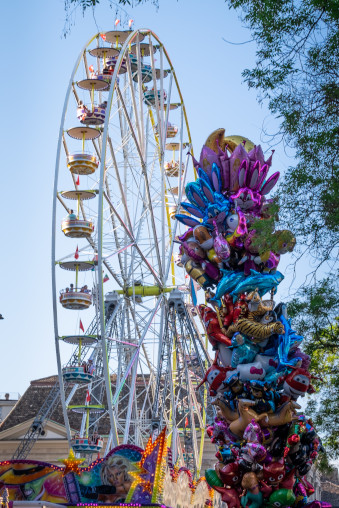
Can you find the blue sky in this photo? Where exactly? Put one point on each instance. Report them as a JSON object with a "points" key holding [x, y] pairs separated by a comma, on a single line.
{"points": [[36, 64]]}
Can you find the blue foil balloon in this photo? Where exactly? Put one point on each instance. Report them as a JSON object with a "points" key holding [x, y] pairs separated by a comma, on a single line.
{"points": [[288, 343], [264, 282], [228, 282]]}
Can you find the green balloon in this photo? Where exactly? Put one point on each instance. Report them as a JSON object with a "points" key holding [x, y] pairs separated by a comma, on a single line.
{"points": [[281, 498], [212, 478]]}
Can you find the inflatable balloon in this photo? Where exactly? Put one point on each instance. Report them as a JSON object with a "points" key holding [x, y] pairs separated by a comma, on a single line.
{"points": [[266, 445]]}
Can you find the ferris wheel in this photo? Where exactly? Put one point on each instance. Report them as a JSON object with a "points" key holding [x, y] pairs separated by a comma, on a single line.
{"points": [[120, 172]]}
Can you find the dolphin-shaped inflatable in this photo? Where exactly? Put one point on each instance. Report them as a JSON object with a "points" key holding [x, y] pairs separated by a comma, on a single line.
{"points": [[264, 282], [229, 281]]}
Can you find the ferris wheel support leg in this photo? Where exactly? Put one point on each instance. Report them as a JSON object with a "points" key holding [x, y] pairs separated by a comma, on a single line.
{"points": [[174, 444], [108, 387], [131, 399], [136, 353]]}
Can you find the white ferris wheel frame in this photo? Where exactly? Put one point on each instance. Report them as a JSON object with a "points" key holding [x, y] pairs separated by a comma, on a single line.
{"points": [[165, 259]]}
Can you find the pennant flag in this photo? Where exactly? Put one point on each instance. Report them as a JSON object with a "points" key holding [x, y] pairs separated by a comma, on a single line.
{"points": [[186, 422], [106, 278], [103, 36], [130, 23], [77, 183], [91, 68], [81, 326], [88, 397], [76, 255], [117, 21]]}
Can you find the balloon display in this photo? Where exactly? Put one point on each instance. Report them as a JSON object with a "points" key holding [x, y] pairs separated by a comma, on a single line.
{"points": [[266, 446]]}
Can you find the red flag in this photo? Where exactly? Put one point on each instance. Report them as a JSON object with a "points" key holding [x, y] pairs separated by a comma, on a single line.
{"points": [[77, 181], [91, 68], [81, 326], [88, 397], [117, 21], [106, 278], [103, 36], [76, 255], [130, 23], [186, 422]]}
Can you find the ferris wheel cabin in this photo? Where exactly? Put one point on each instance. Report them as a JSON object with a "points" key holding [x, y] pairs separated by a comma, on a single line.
{"points": [[77, 299], [150, 96], [87, 444], [77, 374], [92, 114], [82, 163], [77, 228]]}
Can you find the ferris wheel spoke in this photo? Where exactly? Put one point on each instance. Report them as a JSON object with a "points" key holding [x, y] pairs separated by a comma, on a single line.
{"points": [[106, 264], [117, 176], [84, 56], [144, 171], [117, 242], [134, 104], [157, 105], [140, 87], [180, 189], [75, 94], [162, 110]]}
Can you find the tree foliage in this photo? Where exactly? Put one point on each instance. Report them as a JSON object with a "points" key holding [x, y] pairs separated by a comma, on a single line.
{"points": [[297, 73], [315, 315], [86, 4], [72, 6]]}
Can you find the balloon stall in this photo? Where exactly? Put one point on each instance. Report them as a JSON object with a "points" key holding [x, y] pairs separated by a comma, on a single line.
{"points": [[266, 446]]}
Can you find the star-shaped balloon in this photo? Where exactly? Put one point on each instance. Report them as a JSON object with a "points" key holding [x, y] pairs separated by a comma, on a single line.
{"points": [[71, 464]]}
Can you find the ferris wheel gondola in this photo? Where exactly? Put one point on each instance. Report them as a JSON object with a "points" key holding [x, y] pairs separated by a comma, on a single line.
{"points": [[127, 238]]}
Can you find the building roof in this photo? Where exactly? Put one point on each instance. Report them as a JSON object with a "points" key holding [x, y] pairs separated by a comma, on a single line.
{"points": [[32, 400]]}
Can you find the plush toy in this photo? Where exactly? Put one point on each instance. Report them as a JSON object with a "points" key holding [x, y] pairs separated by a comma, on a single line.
{"points": [[252, 497]]}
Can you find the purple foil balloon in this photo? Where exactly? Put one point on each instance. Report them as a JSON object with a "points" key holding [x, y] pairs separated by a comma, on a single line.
{"points": [[221, 246], [253, 433]]}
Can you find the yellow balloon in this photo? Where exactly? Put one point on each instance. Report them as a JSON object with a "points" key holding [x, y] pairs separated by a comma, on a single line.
{"points": [[218, 137]]}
